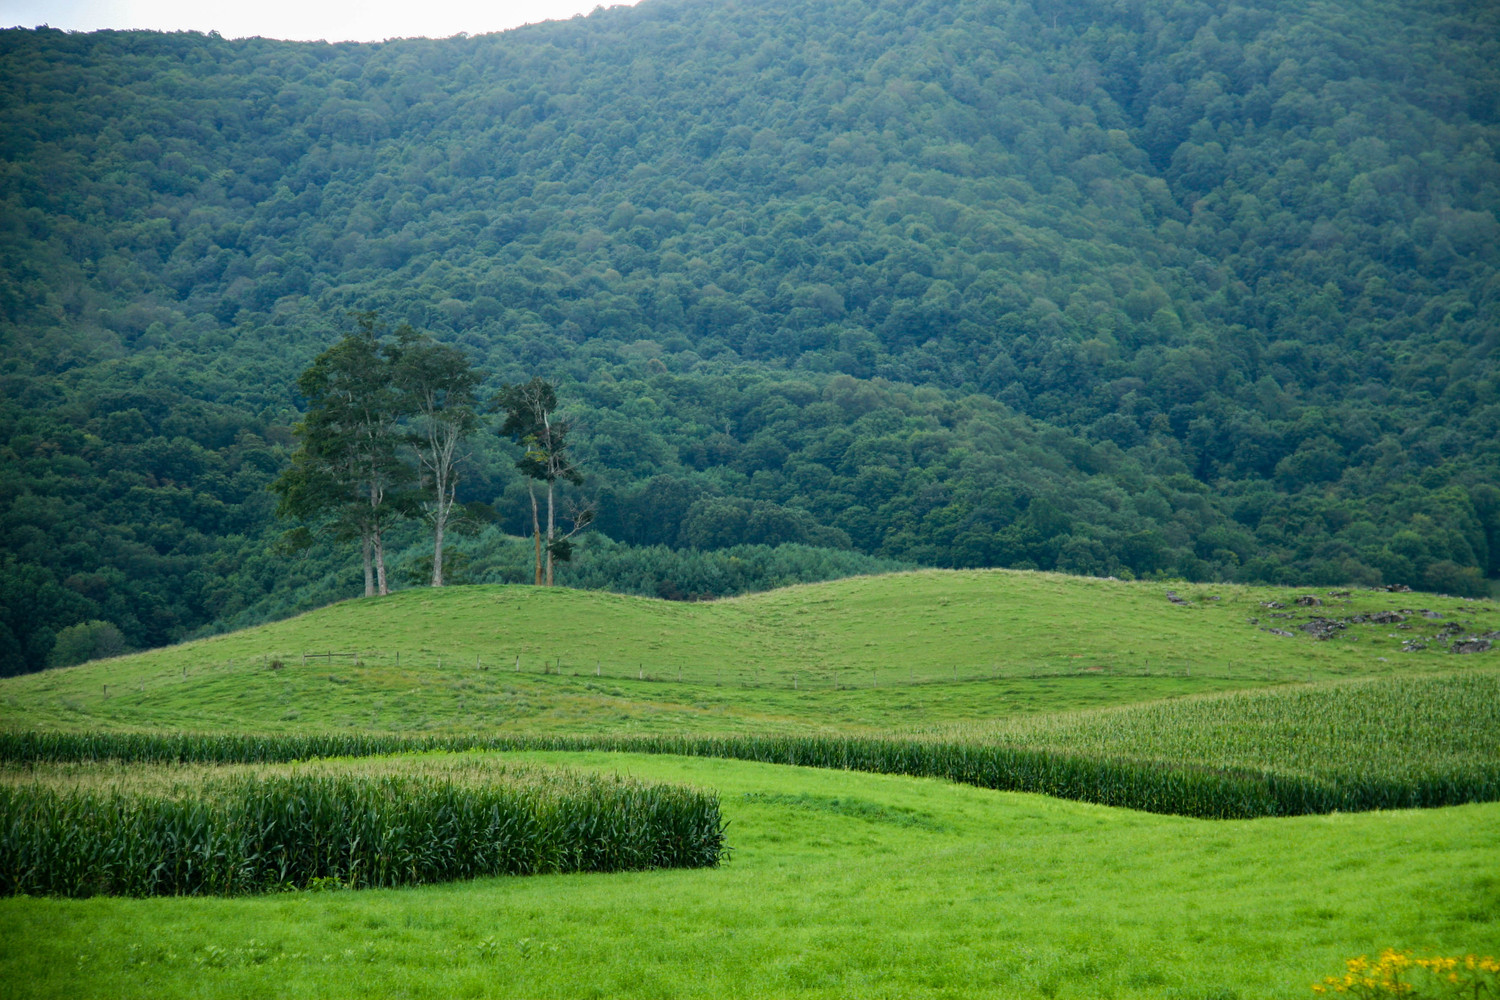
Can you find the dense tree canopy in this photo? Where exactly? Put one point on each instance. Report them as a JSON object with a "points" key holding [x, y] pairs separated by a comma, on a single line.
{"points": [[1157, 287]]}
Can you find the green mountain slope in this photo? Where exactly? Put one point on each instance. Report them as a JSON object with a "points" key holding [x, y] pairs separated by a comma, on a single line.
{"points": [[1180, 289]]}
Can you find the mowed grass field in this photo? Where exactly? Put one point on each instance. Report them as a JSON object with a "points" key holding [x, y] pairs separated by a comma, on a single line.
{"points": [[840, 883], [906, 649]]}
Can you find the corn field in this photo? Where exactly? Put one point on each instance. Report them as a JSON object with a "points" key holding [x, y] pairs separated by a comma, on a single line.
{"points": [[1403, 728], [261, 834], [1393, 743]]}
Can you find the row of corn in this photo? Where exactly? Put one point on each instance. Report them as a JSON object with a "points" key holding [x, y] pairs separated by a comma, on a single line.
{"points": [[1393, 726], [1182, 786], [256, 834]]}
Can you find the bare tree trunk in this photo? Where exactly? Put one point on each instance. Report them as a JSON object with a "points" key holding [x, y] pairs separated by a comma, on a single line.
{"points": [[551, 530], [440, 460], [442, 490], [377, 497], [369, 568], [380, 563], [536, 532]]}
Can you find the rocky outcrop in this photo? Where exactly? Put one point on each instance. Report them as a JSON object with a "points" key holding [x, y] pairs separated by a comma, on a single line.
{"points": [[1323, 628]]}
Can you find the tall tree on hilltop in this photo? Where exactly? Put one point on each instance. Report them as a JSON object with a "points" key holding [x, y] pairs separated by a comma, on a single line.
{"points": [[346, 478], [436, 384], [531, 421]]}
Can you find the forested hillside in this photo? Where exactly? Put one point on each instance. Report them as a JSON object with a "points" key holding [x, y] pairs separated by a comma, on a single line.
{"points": [[1167, 288]]}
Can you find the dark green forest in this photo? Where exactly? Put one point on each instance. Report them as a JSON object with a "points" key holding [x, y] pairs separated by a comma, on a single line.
{"points": [[1149, 288]]}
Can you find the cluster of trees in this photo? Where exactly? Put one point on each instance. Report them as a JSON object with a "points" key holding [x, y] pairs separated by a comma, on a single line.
{"points": [[1174, 287], [531, 419], [385, 438]]}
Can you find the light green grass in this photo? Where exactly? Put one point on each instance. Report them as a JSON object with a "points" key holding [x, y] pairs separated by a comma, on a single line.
{"points": [[904, 649], [840, 885]]}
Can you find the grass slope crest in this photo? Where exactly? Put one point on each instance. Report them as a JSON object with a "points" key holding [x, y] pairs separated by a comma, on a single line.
{"points": [[867, 652]]}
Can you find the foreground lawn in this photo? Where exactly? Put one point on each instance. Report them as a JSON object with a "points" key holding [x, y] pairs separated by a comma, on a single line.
{"points": [[841, 884]]}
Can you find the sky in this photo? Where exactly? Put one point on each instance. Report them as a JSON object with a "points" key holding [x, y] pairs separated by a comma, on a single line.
{"points": [[300, 20]]}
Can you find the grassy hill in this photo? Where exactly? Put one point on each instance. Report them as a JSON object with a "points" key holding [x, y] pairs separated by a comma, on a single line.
{"points": [[872, 652], [841, 882]]}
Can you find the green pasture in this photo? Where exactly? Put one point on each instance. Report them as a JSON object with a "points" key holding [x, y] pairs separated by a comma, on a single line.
{"points": [[905, 649], [840, 884]]}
